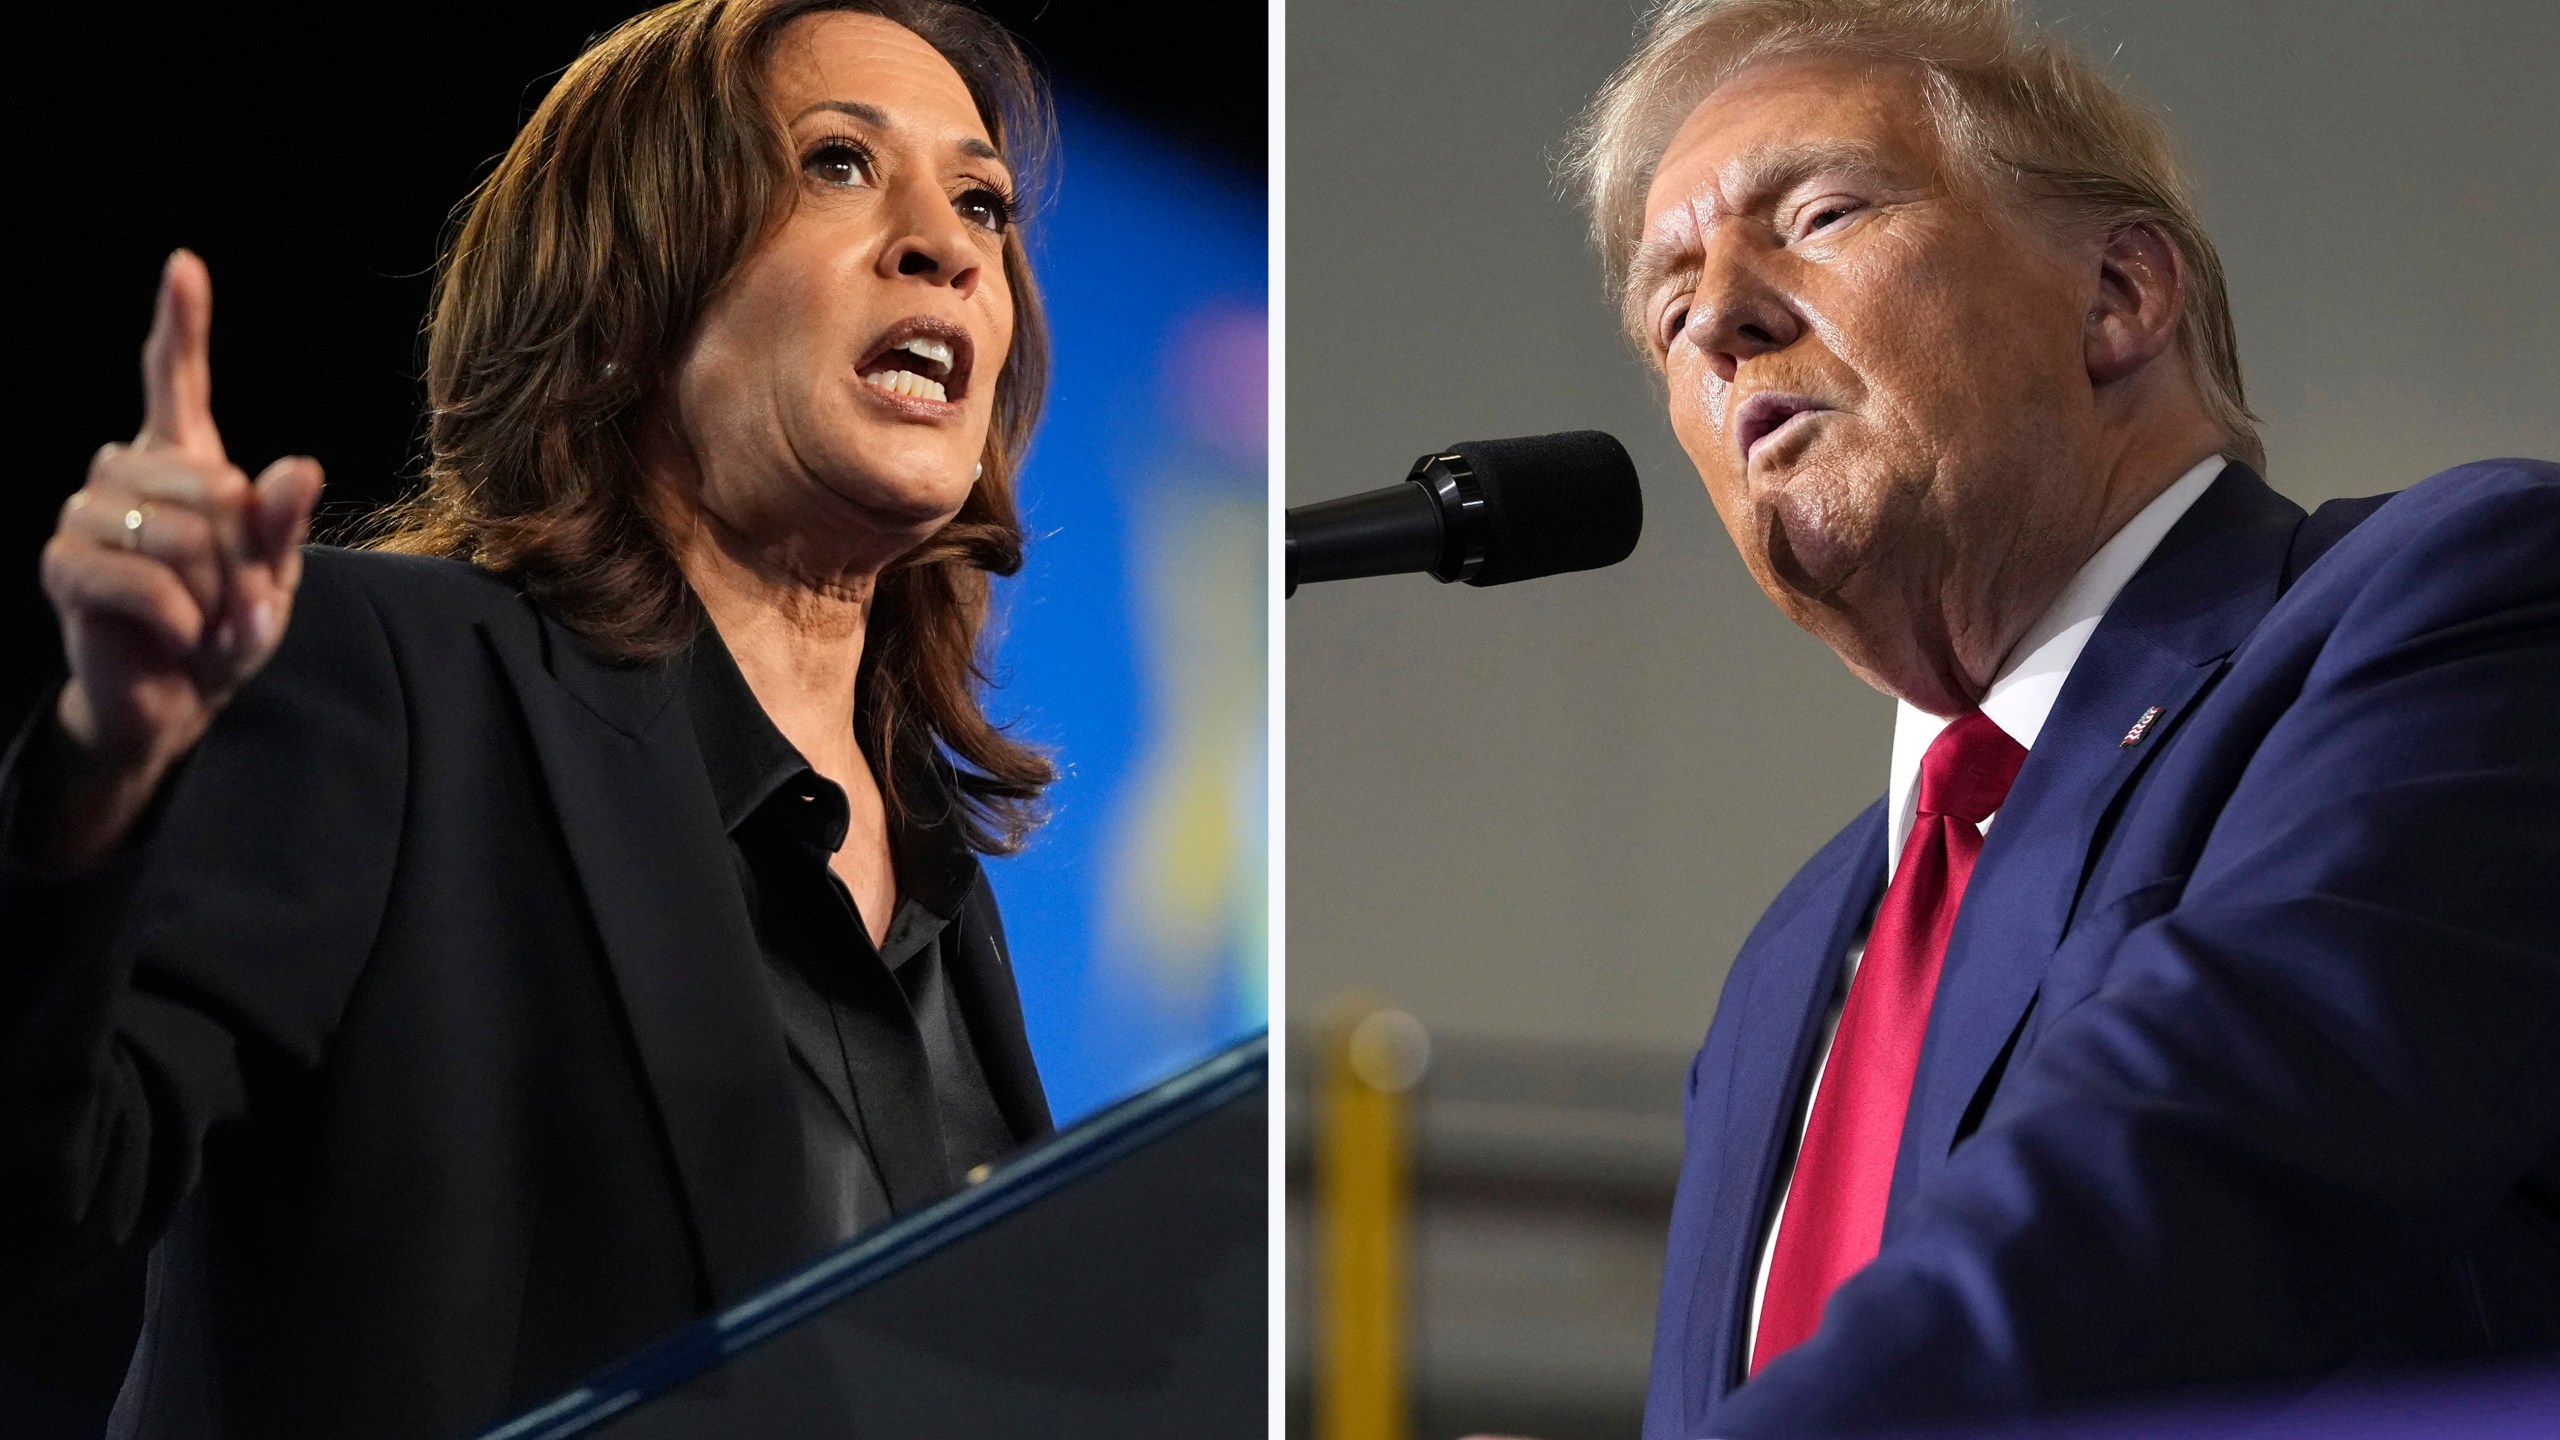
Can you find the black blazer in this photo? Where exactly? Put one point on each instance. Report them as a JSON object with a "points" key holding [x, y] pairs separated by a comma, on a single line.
{"points": [[428, 1000]]}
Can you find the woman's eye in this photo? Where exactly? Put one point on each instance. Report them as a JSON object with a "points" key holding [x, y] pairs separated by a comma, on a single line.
{"points": [[987, 209], [838, 162]]}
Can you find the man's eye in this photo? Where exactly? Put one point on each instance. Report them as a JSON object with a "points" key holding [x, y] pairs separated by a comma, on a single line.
{"points": [[838, 162], [1824, 216], [1672, 325]]}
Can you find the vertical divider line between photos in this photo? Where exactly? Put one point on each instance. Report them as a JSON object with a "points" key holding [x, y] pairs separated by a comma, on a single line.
{"points": [[1275, 699]]}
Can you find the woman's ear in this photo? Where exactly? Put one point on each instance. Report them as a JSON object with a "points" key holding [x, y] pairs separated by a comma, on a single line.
{"points": [[2141, 296]]}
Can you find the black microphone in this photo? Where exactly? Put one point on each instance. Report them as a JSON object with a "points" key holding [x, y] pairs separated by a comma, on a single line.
{"points": [[1484, 511]]}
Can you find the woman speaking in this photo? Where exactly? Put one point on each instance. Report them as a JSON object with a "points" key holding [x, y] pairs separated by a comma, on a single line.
{"points": [[464, 958]]}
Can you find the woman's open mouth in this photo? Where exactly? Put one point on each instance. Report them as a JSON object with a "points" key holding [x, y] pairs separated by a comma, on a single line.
{"points": [[919, 359]]}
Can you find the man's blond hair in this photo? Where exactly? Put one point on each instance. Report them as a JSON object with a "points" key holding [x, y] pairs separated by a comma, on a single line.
{"points": [[2039, 123]]}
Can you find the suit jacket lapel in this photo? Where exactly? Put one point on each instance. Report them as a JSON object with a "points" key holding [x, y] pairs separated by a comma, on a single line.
{"points": [[991, 1005], [1794, 972], [644, 833], [934, 857], [2161, 645]]}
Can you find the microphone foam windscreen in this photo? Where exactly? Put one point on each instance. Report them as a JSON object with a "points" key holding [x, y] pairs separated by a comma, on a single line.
{"points": [[1554, 503]]}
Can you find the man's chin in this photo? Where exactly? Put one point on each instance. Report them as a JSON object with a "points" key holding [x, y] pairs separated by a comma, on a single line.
{"points": [[1817, 549], [1893, 650], [1830, 571]]}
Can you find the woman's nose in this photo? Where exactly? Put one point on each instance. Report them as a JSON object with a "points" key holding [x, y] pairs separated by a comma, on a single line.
{"points": [[933, 243]]}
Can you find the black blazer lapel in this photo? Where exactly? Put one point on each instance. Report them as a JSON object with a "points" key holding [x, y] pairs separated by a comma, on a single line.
{"points": [[644, 833], [2155, 655], [982, 981], [947, 877]]}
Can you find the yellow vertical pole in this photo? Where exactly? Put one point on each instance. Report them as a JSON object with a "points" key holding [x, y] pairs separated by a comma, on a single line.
{"points": [[1373, 1058]]}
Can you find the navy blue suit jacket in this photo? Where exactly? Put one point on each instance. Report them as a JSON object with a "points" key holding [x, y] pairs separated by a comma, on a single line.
{"points": [[2245, 1061]]}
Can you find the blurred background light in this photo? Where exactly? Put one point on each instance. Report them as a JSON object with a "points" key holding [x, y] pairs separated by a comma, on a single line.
{"points": [[1133, 640]]}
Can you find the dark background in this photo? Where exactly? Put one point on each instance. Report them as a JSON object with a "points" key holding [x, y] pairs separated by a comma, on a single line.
{"points": [[313, 155], [314, 158]]}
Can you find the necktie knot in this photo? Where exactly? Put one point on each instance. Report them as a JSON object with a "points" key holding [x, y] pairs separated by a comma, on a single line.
{"points": [[1969, 768]]}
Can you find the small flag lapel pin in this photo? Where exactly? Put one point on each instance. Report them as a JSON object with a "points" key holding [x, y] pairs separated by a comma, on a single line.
{"points": [[2140, 728]]}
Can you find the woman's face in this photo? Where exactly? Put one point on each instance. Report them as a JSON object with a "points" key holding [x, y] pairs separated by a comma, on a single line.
{"points": [[836, 393]]}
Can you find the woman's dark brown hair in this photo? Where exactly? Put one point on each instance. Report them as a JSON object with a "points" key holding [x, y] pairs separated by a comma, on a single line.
{"points": [[647, 175]]}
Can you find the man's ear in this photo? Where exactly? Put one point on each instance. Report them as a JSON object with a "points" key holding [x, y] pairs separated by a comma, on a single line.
{"points": [[2141, 295]]}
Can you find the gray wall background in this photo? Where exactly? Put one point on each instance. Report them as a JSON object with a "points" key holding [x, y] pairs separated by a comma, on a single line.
{"points": [[1553, 810], [1543, 817]]}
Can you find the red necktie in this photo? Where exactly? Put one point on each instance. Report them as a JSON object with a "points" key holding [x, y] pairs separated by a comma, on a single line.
{"points": [[1844, 1170]]}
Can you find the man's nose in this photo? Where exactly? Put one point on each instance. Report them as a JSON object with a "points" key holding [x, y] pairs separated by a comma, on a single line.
{"points": [[1735, 315]]}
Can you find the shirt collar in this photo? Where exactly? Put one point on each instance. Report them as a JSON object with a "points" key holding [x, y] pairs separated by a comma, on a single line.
{"points": [[2030, 680], [744, 754], [749, 763]]}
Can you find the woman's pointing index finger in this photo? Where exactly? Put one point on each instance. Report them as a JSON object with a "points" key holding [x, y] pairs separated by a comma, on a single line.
{"points": [[177, 372]]}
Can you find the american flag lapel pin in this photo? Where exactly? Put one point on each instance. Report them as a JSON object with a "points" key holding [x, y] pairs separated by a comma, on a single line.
{"points": [[2140, 728]]}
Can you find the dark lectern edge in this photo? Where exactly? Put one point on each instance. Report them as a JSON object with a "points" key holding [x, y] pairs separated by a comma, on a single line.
{"points": [[869, 1258]]}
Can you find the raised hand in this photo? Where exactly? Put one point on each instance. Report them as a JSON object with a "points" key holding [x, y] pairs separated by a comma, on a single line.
{"points": [[172, 574]]}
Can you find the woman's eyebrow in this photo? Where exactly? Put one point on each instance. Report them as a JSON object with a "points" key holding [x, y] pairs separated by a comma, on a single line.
{"points": [[878, 118], [867, 114]]}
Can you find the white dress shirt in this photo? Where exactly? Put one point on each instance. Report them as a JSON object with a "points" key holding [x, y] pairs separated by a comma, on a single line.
{"points": [[2020, 698]]}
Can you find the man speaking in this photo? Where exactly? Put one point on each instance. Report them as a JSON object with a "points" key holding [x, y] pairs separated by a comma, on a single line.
{"points": [[2187, 1014]]}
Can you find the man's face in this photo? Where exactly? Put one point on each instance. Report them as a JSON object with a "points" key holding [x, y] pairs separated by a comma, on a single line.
{"points": [[1880, 376]]}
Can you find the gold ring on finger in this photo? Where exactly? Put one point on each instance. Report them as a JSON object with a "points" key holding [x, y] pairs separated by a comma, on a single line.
{"points": [[134, 520]]}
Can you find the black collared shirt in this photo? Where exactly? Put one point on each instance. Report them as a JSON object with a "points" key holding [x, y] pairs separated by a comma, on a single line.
{"points": [[893, 1100]]}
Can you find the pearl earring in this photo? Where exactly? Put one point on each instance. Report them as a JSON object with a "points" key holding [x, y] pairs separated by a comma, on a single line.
{"points": [[978, 474]]}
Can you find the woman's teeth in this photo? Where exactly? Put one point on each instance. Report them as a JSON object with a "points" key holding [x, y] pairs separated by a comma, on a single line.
{"points": [[930, 350], [907, 383]]}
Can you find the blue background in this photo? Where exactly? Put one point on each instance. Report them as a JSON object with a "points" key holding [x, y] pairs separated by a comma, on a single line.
{"points": [[1132, 644]]}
